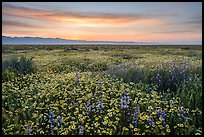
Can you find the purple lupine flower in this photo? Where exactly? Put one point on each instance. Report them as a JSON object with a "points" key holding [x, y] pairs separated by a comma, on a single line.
{"points": [[159, 81], [87, 104], [81, 130], [50, 130], [51, 116], [101, 104], [59, 120], [53, 122], [97, 105], [125, 101], [163, 116], [136, 111], [135, 116], [89, 108], [128, 99], [182, 117], [94, 106], [151, 123]]}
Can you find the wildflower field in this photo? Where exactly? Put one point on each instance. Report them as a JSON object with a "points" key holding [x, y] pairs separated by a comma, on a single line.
{"points": [[101, 90]]}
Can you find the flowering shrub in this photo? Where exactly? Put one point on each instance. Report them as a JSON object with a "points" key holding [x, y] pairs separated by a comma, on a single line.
{"points": [[171, 78]]}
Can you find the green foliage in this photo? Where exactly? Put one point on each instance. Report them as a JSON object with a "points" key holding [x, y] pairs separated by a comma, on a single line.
{"points": [[22, 65], [129, 72]]}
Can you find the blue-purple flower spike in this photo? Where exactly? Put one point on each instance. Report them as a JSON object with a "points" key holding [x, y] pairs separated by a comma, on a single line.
{"points": [[125, 100], [81, 130], [135, 116]]}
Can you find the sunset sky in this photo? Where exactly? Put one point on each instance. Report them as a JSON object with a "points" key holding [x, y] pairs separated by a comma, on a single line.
{"points": [[104, 21]]}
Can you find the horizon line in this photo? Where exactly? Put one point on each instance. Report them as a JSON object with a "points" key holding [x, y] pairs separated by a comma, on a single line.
{"points": [[95, 40]]}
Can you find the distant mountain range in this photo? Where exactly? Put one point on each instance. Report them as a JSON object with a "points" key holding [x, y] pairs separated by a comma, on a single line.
{"points": [[6, 40]]}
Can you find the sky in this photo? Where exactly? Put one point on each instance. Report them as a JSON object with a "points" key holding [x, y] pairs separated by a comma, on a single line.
{"points": [[104, 21]]}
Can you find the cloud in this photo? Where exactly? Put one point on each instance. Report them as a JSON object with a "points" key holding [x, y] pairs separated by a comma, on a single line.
{"points": [[175, 31], [193, 20], [196, 21], [71, 17], [10, 23], [188, 25]]}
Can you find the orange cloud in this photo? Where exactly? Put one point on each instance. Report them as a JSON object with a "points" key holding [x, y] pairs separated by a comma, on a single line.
{"points": [[76, 18]]}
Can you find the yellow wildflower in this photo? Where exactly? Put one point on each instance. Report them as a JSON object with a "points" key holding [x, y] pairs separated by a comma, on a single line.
{"points": [[187, 110], [96, 118], [110, 114], [175, 109], [137, 133], [168, 130], [171, 110], [146, 126], [105, 117], [150, 108], [125, 129], [180, 125], [160, 126], [167, 126], [136, 129], [160, 118], [162, 133], [142, 118], [154, 112], [158, 122], [131, 126]]}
